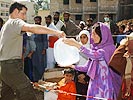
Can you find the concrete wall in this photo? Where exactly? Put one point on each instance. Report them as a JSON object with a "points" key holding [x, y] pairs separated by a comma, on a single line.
{"points": [[86, 8], [43, 14]]}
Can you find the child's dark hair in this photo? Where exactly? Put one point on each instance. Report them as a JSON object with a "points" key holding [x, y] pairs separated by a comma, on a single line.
{"points": [[16, 5], [69, 71]]}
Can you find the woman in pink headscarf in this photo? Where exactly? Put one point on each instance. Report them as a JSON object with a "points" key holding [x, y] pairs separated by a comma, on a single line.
{"points": [[101, 81]]}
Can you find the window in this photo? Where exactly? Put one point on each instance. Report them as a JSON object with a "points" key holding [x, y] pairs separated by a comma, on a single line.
{"points": [[78, 17], [78, 1], [93, 0], [7, 14], [7, 5], [3, 5], [65, 2], [3, 14], [93, 16]]}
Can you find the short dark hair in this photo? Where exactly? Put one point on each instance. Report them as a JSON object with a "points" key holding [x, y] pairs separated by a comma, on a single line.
{"points": [[39, 17], [1, 20], [16, 5], [106, 14], [90, 19], [58, 13], [69, 71], [49, 16]]}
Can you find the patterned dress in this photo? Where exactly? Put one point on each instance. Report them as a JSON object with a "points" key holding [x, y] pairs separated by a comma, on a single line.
{"points": [[102, 78]]}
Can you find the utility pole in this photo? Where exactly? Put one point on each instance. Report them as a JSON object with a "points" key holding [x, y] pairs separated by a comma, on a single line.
{"points": [[98, 5]]}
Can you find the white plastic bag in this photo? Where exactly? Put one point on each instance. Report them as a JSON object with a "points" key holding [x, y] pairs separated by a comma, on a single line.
{"points": [[64, 54], [51, 95]]}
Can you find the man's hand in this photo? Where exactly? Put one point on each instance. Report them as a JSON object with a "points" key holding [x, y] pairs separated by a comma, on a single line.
{"points": [[61, 34]]}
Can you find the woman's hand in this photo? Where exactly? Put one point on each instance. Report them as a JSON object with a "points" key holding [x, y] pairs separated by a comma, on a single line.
{"points": [[71, 42]]}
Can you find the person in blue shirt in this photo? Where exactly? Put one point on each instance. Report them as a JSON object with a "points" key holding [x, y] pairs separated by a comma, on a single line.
{"points": [[121, 34]]}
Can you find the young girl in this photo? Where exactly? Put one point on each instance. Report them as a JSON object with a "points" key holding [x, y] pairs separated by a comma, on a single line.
{"points": [[81, 79], [67, 85], [101, 84], [84, 39]]}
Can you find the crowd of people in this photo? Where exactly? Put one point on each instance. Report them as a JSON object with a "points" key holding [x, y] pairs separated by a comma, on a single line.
{"points": [[95, 75]]}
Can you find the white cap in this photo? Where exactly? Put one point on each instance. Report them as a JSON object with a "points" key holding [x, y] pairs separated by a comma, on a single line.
{"points": [[82, 22]]}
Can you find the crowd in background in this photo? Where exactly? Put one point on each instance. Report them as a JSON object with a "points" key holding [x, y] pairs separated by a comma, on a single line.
{"points": [[38, 55], [44, 58]]}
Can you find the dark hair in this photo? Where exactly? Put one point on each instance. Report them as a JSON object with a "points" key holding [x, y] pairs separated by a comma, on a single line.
{"points": [[106, 14], [1, 20], [90, 19], [122, 26], [49, 16], [39, 17], [97, 29], [16, 5], [69, 71], [58, 13]]}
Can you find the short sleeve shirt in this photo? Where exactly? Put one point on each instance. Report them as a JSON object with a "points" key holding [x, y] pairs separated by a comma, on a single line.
{"points": [[11, 39]]}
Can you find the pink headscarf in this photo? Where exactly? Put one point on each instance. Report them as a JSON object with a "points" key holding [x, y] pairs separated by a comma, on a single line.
{"points": [[107, 43]]}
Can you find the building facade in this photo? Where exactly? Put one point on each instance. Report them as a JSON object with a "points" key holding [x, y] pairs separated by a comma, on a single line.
{"points": [[125, 9], [4, 9], [83, 9]]}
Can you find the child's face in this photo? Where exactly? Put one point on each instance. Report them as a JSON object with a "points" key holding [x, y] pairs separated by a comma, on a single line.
{"points": [[68, 77], [83, 39], [81, 77]]}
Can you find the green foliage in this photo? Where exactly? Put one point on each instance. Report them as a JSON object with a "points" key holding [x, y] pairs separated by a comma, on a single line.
{"points": [[40, 4]]}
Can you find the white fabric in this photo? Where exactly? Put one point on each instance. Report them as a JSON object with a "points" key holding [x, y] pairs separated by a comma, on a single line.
{"points": [[59, 25], [83, 57], [51, 95], [128, 68], [64, 54], [82, 22], [50, 56]]}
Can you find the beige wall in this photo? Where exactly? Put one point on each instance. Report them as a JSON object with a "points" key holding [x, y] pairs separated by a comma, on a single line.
{"points": [[75, 7], [43, 14], [31, 12], [4, 10], [57, 5], [86, 8]]}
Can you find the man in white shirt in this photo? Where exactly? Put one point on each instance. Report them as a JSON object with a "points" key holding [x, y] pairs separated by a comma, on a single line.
{"points": [[51, 40], [58, 23]]}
